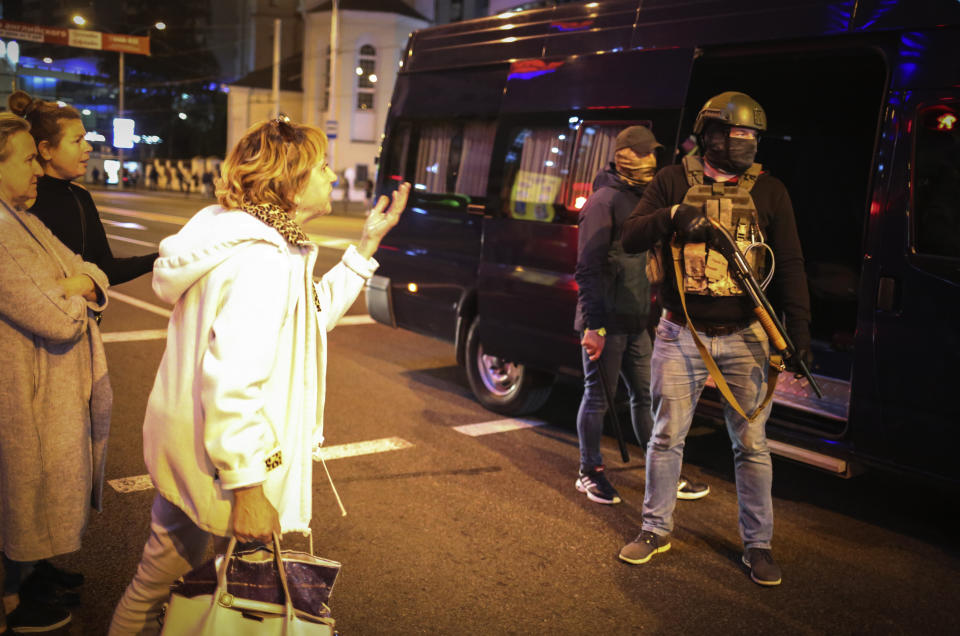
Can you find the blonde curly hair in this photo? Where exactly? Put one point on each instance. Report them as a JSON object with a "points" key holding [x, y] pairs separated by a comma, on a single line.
{"points": [[270, 164]]}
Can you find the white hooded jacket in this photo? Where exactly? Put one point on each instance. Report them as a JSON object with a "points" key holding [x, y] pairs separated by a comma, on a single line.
{"points": [[238, 398]]}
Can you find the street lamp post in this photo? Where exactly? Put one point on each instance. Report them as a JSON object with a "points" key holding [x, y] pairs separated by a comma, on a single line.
{"points": [[121, 76], [332, 104], [79, 20]]}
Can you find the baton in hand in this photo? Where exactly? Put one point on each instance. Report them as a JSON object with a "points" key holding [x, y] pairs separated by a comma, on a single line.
{"points": [[611, 408]]}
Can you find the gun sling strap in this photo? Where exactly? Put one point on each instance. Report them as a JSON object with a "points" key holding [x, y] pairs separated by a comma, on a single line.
{"points": [[776, 360]]}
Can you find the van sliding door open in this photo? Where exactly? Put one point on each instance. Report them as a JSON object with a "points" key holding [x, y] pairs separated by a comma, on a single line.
{"points": [[823, 109]]}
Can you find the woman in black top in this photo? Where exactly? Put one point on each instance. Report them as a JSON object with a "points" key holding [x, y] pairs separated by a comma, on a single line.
{"points": [[67, 208]]}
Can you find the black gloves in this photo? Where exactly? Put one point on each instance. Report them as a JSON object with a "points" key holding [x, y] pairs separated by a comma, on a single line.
{"points": [[691, 224], [793, 364], [684, 216]]}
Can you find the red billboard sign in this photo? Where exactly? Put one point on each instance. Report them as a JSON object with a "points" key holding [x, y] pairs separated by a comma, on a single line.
{"points": [[75, 37]]}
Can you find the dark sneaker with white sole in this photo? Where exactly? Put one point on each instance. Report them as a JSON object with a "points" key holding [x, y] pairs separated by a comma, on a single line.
{"points": [[689, 489], [763, 569], [38, 589], [642, 549], [34, 618], [594, 484]]}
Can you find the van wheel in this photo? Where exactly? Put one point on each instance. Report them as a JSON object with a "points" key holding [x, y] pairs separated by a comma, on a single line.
{"points": [[502, 386]]}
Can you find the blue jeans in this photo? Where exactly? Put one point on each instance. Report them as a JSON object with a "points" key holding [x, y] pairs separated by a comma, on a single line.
{"points": [[626, 356], [678, 378]]}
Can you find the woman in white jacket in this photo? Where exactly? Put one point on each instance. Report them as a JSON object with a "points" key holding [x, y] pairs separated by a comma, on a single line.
{"points": [[237, 405]]}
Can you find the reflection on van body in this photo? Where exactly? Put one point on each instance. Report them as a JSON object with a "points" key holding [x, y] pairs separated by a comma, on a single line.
{"points": [[502, 136]]}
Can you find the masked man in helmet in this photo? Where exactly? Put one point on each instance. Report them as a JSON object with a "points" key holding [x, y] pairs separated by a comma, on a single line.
{"points": [[758, 213], [613, 303]]}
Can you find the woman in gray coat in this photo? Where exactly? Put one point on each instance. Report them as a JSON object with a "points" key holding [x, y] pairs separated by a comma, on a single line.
{"points": [[55, 396]]}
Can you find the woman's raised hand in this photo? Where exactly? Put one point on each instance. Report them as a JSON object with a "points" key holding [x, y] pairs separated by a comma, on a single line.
{"points": [[381, 219]]}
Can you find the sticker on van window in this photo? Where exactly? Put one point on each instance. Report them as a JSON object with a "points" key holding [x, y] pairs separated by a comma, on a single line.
{"points": [[533, 195]]}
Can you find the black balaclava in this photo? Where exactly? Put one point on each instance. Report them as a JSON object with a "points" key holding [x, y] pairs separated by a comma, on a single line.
{"points": [[732, 155]]}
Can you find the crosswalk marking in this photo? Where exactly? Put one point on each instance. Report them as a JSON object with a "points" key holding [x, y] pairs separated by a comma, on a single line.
{"points": [[141, 304], [137, 483], [330, 242], [135, 336], [356, 320], [149, 216], [130, 225], [323, 241], [161, 334], [496, 426], [131, 240], [361, 448]]}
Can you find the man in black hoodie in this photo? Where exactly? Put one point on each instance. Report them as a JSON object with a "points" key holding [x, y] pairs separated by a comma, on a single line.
{"points": [[760, 214], [613, 306]]}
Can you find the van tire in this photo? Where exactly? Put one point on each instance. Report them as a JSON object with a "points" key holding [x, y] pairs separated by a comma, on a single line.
{"points": [[501, 386]]}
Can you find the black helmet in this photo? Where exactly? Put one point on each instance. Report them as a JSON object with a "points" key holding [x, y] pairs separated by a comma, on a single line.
{"points": [[733, 109]]}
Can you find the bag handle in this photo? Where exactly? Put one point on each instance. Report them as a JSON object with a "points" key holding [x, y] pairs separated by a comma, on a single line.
{"points": [[283, 575], [226, 599]]}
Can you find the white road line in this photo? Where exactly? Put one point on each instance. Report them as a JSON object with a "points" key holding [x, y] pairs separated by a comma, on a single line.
{"points": [[161, 334], [356, 320], [135, 336], [125, 224], [150, 216], [130, 240], [361, 448], [136, 302], [142, 482], [496, 426], [131, 484], [331, 242]]}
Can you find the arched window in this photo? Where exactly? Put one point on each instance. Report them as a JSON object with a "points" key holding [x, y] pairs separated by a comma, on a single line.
{"points": [[366, 76]]}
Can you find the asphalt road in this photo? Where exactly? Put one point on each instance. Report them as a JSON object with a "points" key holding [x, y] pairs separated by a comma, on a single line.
{"points": [[454, 534]]}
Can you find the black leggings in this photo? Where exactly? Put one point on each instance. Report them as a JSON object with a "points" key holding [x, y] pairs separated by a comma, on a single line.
{"points": [[14, 574]]}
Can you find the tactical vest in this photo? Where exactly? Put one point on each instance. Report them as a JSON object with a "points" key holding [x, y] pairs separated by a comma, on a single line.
{"points": [[705, 271]]}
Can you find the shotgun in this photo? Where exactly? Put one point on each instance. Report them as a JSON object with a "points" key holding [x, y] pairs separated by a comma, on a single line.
{"points": [[723, 242]]}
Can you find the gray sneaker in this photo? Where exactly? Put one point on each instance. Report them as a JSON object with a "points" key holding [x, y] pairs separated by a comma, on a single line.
{"points": [[689, 489], [642, 549], [763, 569]]}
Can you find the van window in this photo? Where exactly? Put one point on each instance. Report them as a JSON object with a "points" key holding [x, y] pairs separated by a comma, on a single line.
{"points": [[550, 170], [394, 163], [454, 158], [537, 164], [594, 152], [937, 181]]}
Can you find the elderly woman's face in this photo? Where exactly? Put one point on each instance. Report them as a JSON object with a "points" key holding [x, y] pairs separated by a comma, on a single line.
{"points": [[315, 198], [19, 171]]}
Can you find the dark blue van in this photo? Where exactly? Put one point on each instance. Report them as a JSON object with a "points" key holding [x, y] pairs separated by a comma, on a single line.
{"points": [[501, 124]]}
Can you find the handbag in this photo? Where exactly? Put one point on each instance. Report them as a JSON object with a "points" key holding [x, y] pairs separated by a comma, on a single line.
{"points": [[259, 592]]}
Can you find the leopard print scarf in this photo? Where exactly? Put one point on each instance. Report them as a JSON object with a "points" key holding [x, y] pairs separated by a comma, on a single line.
{"points": [[289, 229]]}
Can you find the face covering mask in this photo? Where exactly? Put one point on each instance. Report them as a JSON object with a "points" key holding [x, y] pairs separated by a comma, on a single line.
{"points": [[730, 154], [635, 170]]}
